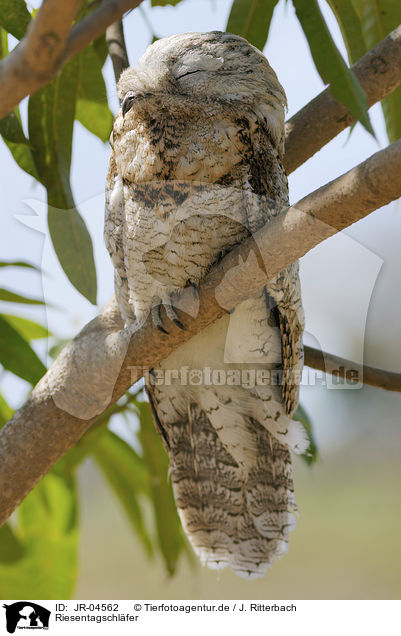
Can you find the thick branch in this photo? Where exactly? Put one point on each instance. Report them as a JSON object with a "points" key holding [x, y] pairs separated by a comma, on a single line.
{"points": [[352, 371], [379, 73], [39, 55], [49, 43], [41, 432]]}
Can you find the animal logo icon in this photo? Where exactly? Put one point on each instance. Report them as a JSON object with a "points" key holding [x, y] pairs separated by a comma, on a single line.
{"points": [[26, 615]]}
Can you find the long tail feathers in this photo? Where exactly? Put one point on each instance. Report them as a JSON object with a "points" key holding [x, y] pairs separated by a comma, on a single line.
{"points": [[235, 515]]}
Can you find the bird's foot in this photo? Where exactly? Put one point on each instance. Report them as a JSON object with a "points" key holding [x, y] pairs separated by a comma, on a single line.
{"points": [[170, 312]]}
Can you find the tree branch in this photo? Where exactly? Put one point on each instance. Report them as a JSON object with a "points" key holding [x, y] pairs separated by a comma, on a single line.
{"points": [[96, 23], [49, 43], [39, 55], [94, 370], [352, 371], [117, 49], [311, 128]]}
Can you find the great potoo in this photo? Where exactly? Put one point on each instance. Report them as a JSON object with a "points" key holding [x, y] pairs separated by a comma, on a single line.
{"points": [[196, 167]]}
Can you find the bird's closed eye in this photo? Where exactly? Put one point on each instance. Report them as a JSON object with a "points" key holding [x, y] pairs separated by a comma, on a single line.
{"points": [[127, 102], [188, 73]]}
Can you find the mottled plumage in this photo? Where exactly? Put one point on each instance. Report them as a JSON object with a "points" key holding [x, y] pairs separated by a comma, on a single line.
{"points": [[196, 167]]}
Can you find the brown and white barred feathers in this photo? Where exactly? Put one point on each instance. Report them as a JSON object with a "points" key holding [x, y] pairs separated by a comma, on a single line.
{"points": [[196, 167]]}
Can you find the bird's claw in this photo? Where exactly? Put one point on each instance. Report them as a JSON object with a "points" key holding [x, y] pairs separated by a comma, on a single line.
{"points": [[171, 314]]}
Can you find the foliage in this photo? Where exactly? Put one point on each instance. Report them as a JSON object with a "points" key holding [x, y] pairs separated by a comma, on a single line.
{"points": [[311, 454], [332, 69], [363, 24], [252, 20], [41, 544], [43, 548]]}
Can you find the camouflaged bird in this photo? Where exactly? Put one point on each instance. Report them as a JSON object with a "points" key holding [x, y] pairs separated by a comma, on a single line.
{"points": [[196, 166]]}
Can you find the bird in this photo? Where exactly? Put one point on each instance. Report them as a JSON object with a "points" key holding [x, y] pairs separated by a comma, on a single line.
{"points": [[196, 166]]}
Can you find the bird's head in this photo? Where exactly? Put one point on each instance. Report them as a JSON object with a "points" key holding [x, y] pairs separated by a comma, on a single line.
{"points": [[204, 67]]}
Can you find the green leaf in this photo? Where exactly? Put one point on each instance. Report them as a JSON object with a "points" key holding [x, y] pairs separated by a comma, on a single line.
{"points": [[73, 246], [3, 43], [92, 108], [14, 17], [85, 445], [333, 70], [170, 535], [49, 536], [11, 129], [11, 549], [23, 156], [101, 49], [378, 18], [17, 356], [350, 27], [311, 454], [125, 472], [391, 106], [19, 264], [10, 297], [14, 137], [164, 3], [58, 346], [51, 113], [251, 19], [28, 329], [6, 412], [81, 450], [130, 463]]}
